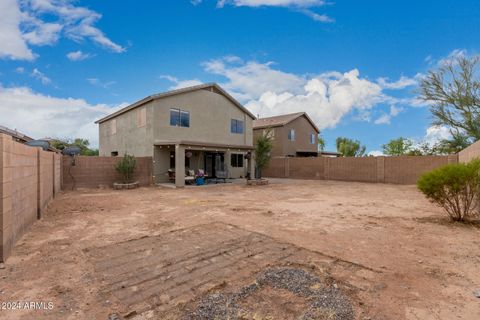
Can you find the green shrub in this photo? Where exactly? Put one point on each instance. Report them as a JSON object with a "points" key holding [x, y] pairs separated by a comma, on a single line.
{"points": [[454, 187], [126, 167]]}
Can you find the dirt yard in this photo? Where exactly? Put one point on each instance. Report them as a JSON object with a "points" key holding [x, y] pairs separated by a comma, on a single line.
{"points": [[290, 250]]}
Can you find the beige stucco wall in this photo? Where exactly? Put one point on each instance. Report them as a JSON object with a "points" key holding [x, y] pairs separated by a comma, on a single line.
{"points": [[210, 116], [129, 137]]}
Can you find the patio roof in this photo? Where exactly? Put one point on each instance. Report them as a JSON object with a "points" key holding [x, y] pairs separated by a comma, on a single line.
{"points": [[203, 144]]}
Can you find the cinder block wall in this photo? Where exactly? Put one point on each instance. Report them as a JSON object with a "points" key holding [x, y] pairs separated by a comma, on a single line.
{"points": [[25, 190], [470, 153], [93, 172], [397, 170]]}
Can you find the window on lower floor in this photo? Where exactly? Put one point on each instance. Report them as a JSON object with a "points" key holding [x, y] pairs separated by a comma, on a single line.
{"points": [[114, 153], [312, 138], [236, 160]]}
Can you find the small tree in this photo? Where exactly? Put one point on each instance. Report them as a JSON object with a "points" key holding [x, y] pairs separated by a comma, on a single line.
{"points": [[454, 187], [350, 148], [397, 147], [263, 148], [126, 167], [321, 142]]}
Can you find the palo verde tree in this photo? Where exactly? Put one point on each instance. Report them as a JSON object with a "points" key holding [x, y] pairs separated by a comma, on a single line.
{"points": [[263, 149], [453, 90], [398, 147], [350, 148]]}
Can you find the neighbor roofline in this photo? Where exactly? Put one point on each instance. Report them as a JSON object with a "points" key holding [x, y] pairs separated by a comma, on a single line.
{"points": [[287, 122], [176, 92]]}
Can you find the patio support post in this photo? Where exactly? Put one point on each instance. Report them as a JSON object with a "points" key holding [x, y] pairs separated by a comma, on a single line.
{"points": [[179, 166], [251, 166]]}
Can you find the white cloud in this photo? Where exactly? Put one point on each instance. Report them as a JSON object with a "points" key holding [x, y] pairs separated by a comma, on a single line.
{"points": [[401, 83], [326, 97], [376, 153], [40, 76], [20, 70], [96, 82], [302, 6], [277, 3], [251, 79], [78, 55], [435, 134], [386, 118], [12, 45], [43, 22], [179, 84], [383, 119], [41, 116]]}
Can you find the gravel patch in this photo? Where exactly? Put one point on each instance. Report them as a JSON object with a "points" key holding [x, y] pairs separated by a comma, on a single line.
{"points": [[324, 302]]}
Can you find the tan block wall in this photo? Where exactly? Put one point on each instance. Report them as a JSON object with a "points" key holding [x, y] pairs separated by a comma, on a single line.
{"points": [[469, 153], [93, 172], [396, 170], [46, 179], [24, 188], [407, 170]]}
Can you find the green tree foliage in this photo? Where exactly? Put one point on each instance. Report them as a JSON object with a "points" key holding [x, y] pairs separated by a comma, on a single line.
{"points": [[350, 148], [84, 145], [454, 92], [398, 147], [263, 149], [126, 167], [454, 187], [321, 142]]}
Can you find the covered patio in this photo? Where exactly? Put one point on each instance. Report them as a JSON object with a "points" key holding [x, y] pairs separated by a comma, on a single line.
{"points": [[181, 161]]}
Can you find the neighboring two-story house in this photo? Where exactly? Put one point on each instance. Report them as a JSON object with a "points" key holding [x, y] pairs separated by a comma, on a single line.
{"points": [[293, 135], [200, 127]]}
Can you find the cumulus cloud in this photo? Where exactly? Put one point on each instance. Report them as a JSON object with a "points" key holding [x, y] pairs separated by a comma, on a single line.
{"points": [[43, 22], [78, 55], [41, 116], [179, 84], [326, 97], [435, 134]]}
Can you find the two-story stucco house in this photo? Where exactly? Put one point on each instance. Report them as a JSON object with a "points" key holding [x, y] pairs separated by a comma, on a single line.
{"points": [[293, 135], [200, 127]]}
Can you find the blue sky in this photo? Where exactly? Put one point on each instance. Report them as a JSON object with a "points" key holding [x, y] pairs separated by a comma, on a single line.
{"points": [[352, 65]]}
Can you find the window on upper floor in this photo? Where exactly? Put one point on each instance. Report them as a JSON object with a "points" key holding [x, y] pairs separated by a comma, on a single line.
{"points": [[236, 126], [291, 135], [312, 138], [236, 160], [179, 118]]}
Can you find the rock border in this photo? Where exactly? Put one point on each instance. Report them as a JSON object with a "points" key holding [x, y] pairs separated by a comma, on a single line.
{"points": [[124, 186], [257, 182]]}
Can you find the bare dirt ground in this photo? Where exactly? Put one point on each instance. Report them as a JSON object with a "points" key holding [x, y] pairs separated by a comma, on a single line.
{"points": [[290, 250]]}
